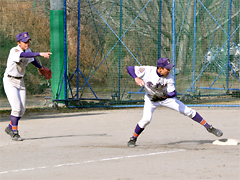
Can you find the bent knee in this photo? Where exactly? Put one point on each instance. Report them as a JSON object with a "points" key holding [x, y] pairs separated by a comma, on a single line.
{"points": [[144, 122], [22, 112], [189, 112], [18, 112]]}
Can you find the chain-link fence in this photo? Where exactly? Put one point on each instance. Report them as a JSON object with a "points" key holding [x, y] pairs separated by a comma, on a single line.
{"points": [[105, 36]]}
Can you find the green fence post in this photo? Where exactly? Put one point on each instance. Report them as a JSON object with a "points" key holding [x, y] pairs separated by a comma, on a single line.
{"points": [[57, 49]]}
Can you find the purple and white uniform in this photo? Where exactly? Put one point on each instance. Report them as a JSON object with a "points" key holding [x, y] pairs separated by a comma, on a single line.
{"points": [[149, 74], [13, 78], [18, 59]]}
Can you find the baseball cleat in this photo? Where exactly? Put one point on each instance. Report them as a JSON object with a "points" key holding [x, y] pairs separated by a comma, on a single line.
{"points": [[216, 132], [9, 131], [16, 136], [132, 142]]}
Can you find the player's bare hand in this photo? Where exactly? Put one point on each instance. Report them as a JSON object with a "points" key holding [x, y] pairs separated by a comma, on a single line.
{"points": [[139, 81], [45, 54]]}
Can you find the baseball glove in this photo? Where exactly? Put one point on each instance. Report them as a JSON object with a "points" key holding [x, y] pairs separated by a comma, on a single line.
{"points": [[160, 93], [44, 71]]}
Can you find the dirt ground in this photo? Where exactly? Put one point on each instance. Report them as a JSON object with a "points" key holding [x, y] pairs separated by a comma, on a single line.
{"points": [[89, 145]]}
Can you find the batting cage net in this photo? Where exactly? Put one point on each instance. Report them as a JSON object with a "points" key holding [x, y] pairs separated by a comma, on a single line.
{"points": [[94, 41]]}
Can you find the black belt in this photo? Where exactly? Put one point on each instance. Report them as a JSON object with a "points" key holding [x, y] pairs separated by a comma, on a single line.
{"points": [[14, 77]]}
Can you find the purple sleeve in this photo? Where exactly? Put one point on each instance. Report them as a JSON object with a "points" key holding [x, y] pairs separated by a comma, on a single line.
{"points": [[172, 94], [131, 71], [35, 63], [29, 54]]}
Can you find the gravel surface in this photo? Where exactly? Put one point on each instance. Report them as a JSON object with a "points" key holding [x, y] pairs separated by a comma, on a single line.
{"points": [[92, 144]]}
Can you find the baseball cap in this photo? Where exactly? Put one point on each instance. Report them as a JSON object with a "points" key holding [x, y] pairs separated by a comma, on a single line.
{"points": [[165, 63], [24, 37]]}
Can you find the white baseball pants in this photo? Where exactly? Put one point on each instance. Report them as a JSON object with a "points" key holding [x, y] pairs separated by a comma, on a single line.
{"points": [[16, 94], [173, 103]]}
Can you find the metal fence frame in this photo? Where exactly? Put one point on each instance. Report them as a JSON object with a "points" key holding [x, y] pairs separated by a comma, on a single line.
{"points": [[66, 80]]}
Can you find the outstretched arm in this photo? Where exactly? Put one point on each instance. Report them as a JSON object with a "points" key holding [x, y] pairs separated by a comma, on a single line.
{"points": [[34, 54], [43, 71], [29, 54]]}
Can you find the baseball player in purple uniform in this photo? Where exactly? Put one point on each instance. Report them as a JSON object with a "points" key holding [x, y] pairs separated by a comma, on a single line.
{"points": [[160, 76], [13, 82]]}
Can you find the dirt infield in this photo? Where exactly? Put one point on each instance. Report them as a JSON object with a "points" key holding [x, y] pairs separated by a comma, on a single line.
{"points": [[92, 145]]}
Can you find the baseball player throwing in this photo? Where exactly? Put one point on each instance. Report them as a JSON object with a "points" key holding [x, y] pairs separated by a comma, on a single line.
{"points": [[13, 82], [160, 91]]}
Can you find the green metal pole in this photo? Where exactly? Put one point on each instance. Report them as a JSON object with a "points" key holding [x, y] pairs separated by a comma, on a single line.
{"points": [[120, 52], [57, 49]]}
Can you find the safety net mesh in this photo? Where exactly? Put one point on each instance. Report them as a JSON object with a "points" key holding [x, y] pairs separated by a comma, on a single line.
{"points": [[104, 37]]}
